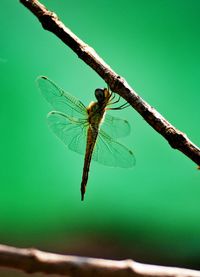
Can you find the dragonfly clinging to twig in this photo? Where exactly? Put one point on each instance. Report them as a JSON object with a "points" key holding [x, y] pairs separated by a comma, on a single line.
{"points": [[88, 130]]}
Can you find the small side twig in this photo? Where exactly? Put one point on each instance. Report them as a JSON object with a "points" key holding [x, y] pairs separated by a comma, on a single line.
{"points": [[176, 138], [33, 260]]}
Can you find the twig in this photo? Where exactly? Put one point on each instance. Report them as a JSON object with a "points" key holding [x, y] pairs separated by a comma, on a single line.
{"points": [[33, 260], [176, 138]]}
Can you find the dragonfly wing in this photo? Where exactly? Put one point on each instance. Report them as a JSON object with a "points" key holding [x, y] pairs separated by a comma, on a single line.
{"points": [[115, 127], [61, 100], [109, 152], [72, 132]]}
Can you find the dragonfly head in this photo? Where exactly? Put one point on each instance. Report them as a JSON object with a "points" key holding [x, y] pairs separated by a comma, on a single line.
{"points": [[101, 94]]}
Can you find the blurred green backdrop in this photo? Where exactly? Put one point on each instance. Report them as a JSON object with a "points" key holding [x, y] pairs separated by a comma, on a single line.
{"points": [[150, 213]]}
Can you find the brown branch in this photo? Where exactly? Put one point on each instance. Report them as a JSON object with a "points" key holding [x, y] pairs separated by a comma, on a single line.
{"points": [[33, 260], [176, 138]]}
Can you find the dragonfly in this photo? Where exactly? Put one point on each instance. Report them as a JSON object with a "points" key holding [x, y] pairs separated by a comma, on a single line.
{"points": [[89, 131]]}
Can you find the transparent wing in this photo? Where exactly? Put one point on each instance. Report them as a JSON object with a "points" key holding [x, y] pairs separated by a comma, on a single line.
{"points": [[61, 100], [109, 152], [115, 127], [73, 132]]}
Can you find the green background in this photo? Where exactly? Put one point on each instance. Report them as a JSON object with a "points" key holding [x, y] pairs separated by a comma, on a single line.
{"points": [[151, 212]]}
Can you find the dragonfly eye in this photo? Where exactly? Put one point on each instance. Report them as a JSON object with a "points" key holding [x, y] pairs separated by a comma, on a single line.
{"points": [[99, 94]]}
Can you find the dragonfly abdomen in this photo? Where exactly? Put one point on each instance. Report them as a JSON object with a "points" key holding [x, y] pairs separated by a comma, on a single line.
{"points": [[91, 140]]}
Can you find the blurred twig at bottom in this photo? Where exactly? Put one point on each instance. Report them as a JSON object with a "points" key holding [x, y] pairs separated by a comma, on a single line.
{"points": [[32, 260]]}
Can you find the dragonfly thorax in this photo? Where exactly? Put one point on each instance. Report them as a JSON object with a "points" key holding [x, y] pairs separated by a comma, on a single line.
{"points": [[95, 114]]}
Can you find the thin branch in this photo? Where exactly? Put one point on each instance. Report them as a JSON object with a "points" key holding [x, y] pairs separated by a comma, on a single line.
{"points": [[33, 260], [176, 138]]}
